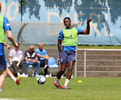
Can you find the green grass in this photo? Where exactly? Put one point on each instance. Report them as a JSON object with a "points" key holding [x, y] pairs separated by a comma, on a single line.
{"points": [[88, 89]]}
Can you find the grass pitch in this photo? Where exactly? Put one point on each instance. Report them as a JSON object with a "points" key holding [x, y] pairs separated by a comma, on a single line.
{"points": [[88, 89]]}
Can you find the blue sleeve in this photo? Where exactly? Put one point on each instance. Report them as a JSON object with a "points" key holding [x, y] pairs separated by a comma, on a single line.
{"points": [[45, 52], [78, 30], [36, 51], [6, 25], [60, 37]]}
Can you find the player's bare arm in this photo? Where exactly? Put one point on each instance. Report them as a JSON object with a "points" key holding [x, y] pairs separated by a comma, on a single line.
{"points": [[87, 31], [59, 45], [11, 38], [7, 45]]}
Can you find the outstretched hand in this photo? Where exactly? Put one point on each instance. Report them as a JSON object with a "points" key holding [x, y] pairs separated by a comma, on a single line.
{"points": [[16, 44], [89, 20]]}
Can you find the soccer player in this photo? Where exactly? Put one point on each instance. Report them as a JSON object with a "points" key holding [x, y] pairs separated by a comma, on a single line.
{"points": [[67, 42], [4, 28]]}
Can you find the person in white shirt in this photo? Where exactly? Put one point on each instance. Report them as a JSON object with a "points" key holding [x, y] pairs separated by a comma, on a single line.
{"points": [[15, 59]]}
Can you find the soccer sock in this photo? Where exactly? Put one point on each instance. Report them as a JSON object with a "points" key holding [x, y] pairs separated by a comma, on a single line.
{"points": [[66, 82], [13, 78], [0, 90], [18, 74], [57, 81]]}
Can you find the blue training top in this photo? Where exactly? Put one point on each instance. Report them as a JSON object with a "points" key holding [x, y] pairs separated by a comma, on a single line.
{"points": [[68, 48], [42, 53], [6, 27]]}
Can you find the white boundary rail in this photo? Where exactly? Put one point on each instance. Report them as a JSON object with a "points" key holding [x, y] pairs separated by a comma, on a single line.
{"points": [[85, 50]]}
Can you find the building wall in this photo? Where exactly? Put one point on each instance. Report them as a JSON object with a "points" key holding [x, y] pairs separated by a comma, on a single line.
{"points": [[106, 16]]}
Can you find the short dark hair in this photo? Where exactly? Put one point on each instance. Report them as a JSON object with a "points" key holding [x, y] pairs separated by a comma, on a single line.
{"points": [[67, 18]]}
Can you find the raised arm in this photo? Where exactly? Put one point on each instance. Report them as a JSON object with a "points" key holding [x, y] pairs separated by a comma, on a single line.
{"points": [[87, 31]]}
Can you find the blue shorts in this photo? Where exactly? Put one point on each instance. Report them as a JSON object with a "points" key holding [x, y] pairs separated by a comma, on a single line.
{"points": [[66, 56], [2, 63]]}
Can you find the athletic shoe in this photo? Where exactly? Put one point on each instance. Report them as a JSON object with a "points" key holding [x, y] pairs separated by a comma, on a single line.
{"points": [[65, 87], [18, 74], [36, 75], [72, 76], [23, 75], [46, 66], [18, 80], [47, 76], [26, 75], [58, 86]]}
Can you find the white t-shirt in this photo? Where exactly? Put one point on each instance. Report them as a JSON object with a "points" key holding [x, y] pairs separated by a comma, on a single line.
{"points": [[15, 54]]}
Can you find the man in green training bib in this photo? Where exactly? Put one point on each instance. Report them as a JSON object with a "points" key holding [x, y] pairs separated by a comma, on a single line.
{"points": [[4, 70], [67, 42]]}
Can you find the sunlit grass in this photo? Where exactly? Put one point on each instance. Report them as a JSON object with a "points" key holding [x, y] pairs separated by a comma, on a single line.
{"points": [[88, 89]]}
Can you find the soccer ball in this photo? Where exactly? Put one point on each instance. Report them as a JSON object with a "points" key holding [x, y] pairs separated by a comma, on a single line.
{"points": [[41, 79]]}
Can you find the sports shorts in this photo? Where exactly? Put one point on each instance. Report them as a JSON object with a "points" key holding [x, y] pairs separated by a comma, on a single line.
{"points": [[2, 63], [66, 56]]}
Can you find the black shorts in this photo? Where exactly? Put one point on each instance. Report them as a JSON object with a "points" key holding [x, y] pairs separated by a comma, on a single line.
{"points": [[2, 63]]}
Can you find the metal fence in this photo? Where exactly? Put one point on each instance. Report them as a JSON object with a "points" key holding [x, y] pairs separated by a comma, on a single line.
{"points": [[85, 54]]}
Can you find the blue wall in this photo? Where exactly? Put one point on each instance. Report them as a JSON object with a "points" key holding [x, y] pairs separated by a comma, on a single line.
{"points": [[106, 16]]}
